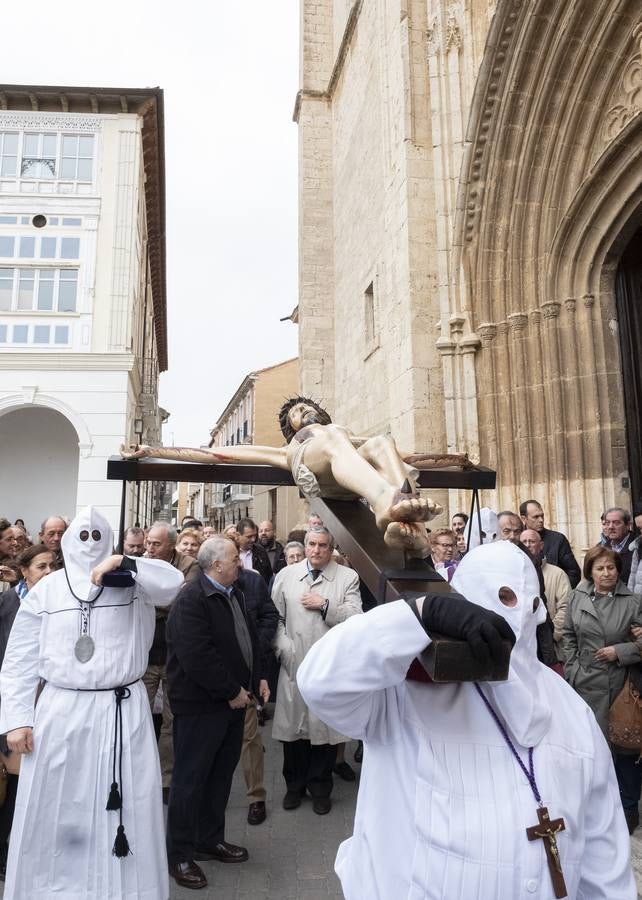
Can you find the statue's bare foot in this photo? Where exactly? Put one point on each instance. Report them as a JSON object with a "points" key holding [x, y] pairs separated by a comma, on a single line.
{"points": [[412, 508], [407, 536], [138, 451]]}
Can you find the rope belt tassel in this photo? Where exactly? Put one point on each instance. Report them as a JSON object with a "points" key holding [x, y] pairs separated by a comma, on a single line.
{"points": [[115, 800]]}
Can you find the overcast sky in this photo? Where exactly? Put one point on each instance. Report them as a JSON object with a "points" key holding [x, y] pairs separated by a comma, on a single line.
{"points": [[230, 75]]}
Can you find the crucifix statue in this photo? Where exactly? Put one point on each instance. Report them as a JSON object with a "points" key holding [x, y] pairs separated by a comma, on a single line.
{"points": [[327, 460], [546, 830]]}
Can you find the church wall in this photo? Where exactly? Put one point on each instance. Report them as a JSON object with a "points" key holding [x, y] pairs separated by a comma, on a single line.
{"points": [[483, 163], [316, 286], [549, 180]]}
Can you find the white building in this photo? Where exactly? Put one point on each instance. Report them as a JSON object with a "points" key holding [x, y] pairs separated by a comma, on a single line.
{"points": [[82, 293]]}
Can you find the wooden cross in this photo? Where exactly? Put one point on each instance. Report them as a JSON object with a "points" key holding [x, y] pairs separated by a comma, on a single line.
{"points": [[547, 830]]}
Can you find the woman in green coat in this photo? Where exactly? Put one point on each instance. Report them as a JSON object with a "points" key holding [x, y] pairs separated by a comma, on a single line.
{"points": [[599, 645]]}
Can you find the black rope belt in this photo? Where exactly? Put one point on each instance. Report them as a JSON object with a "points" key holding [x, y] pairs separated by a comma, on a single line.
{"points": [[115, 799]]}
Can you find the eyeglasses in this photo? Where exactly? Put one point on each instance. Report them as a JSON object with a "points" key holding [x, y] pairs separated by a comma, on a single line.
{"points": [[445, 546]]}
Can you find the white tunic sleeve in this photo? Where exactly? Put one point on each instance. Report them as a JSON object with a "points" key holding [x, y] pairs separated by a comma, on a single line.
{"points": [[159, 581], [347, 678], [20, 674], [605, 865]]}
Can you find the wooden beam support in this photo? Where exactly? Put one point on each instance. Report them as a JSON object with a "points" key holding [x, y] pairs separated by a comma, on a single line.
{"points": [[119, 469]]}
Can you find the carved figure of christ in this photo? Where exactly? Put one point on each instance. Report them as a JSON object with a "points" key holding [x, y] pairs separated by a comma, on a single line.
{"points": [[371, 468]]}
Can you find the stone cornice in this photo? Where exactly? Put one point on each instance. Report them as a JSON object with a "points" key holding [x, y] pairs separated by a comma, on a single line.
{"points": [[73, 362]]}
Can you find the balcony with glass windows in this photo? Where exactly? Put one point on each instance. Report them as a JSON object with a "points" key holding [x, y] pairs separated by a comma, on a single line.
{"points": [[38, 288], [47, 162]]}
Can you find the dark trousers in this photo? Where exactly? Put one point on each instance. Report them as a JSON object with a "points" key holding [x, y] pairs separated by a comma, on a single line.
{"points": [[207, 749], [307, 765], [629, 779], [7, 810]]}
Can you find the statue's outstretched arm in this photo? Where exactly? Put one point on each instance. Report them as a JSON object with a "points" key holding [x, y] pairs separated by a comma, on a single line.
{"points": [[238, 453]]}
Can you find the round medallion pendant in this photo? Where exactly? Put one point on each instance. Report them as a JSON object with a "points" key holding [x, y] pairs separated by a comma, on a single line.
{"points": [[84, 648]]}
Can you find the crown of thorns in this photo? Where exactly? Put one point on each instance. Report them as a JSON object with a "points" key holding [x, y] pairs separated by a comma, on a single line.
{"points": [[284, 422]]}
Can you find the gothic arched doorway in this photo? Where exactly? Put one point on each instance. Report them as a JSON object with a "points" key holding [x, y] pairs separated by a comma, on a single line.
{"points": [[628, 300]]}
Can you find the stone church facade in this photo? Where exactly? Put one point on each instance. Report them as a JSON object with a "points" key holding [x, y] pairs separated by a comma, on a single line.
{"points": [[470, 237]]}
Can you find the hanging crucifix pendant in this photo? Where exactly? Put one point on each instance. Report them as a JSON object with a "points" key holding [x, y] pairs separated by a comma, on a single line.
{"points": [[547, 831], [84, 646]]}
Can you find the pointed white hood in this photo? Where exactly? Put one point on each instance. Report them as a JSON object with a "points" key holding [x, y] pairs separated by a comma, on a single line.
{"points": [[489, 528], [88, 541], [521, 701]]}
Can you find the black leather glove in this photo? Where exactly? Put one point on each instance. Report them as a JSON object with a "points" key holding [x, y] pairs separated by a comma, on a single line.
{"points": [[453, 615]]}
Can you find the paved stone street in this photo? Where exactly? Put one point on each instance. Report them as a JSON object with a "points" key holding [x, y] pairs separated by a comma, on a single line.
{"points": [[291, 853]]}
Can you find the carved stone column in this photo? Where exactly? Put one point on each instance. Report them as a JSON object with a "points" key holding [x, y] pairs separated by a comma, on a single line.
{"points": [[557, 502], [517, 323]]}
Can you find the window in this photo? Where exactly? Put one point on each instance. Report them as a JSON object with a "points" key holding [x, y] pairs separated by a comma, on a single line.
{"points": [[27, 247], [369, 320], [6, 288], [39, 155], [37, 247], [8, 220], [47, 155], [38, 334], [47, 290], [8, 153], [48, 248], [77, 157], [69, 248]]}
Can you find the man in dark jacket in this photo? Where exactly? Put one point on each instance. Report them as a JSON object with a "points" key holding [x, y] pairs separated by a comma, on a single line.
{"points": [[557, 549], [213, 669], [252, 554], [265, 617], [273, 548], [616, 527]]}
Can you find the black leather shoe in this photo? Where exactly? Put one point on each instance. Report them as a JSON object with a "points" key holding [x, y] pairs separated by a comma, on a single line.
{"points": [[344, 771], [256, 813], [632, 819], [292, 799], [321, 805], [223, 852], [188, 874], [358, 753], [165, 796]]}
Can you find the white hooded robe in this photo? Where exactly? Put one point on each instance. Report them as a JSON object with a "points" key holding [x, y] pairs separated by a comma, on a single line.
{"points": [[443, 806], [62, 836]]}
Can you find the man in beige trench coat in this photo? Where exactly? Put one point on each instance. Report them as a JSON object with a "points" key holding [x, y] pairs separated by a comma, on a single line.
{"points": [[311, 597]]}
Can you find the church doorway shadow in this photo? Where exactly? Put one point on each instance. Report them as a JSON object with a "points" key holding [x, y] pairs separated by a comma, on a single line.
{"points": [[628, 303]]}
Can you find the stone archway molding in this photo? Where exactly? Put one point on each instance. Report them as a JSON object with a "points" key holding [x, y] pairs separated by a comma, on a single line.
{"points": [[551, 175], [31, 396]]}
